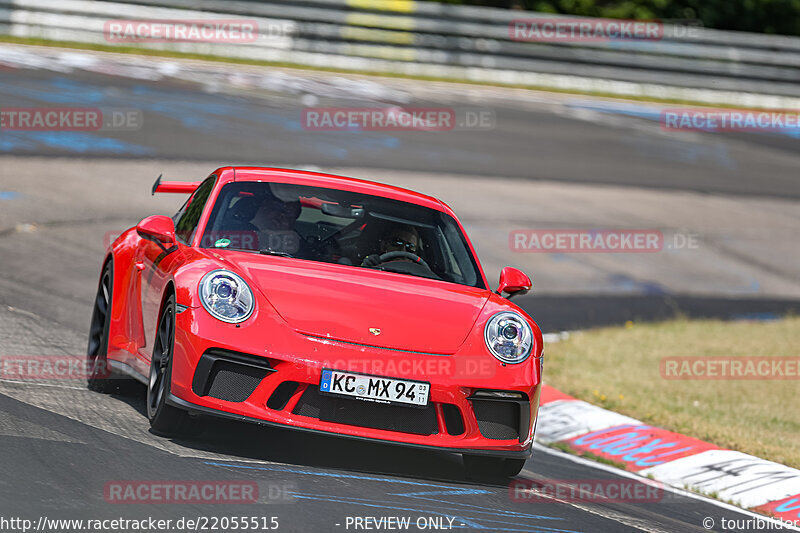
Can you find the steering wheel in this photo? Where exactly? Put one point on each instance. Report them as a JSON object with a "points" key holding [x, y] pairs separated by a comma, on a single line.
{"points": [[391, 256]]}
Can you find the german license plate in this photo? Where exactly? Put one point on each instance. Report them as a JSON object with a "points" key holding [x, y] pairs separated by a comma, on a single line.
{"points": [[374, 388]]}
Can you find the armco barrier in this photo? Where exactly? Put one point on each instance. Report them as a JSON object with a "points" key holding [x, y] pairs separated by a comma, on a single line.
{"points": [[445, 41]]}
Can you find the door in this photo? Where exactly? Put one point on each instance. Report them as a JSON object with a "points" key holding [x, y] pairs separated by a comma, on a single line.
{"points": [[156, 262]]}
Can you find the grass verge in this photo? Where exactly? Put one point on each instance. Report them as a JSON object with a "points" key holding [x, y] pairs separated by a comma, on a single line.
{"points": [[243, 61], [619, 369]]}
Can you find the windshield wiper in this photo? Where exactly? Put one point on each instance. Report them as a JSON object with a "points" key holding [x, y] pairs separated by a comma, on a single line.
{"points": [[265, 251], [235, 249], [268, 251]]}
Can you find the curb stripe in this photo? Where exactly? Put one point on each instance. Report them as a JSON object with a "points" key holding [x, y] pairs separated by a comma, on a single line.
{"points": [[671, 458]]}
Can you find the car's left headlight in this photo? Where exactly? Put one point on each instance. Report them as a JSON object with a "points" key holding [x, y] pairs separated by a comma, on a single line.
{"points": [[509, 337], [226, 296]]}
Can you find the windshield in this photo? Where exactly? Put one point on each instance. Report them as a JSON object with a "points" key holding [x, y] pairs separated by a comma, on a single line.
{"points": [[347, 228]]}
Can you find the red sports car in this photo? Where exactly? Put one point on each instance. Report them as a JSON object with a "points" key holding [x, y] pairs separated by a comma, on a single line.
{"points": [[321, 303]]}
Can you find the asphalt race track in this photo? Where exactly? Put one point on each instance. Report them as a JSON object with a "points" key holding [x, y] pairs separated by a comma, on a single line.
{"points": [[62, 445], [60, 460], [247, 115]]}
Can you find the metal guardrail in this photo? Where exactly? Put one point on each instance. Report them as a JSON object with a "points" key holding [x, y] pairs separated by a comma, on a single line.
{"points": [[441, 40]]}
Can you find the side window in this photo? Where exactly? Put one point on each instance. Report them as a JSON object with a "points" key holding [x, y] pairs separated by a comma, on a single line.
{"points": [[187, 218]]}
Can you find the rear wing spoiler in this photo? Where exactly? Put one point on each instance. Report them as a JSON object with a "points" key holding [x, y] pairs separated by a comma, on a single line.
{"points": [[180, 187]]}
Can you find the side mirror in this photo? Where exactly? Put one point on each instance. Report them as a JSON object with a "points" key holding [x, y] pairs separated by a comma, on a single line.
{"points": [[514, 282], [158, 228]]}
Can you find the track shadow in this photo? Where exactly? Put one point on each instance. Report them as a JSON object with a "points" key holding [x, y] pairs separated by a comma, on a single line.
{"points": [[248, 442]]}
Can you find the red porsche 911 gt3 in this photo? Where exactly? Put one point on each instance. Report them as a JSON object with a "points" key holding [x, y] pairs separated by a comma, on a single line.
{"points": [[324, 304]]}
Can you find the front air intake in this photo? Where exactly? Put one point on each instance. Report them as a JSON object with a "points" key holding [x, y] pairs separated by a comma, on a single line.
{"points": [[229, 376], [501, 415], [281, 395], [453, 422]]}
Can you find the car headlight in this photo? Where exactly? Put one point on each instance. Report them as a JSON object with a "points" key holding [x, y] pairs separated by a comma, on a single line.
{"points": [[226, 296], [509, 337]]}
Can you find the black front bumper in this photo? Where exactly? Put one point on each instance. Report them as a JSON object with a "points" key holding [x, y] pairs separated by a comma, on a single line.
{"points": [[206, 411]]}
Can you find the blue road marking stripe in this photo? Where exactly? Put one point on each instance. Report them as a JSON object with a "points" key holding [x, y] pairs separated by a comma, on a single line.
{"points": [[477, 509], [495, 516]]}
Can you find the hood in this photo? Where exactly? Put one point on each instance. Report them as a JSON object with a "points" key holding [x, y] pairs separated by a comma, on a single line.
{"points": [[345, 303]]}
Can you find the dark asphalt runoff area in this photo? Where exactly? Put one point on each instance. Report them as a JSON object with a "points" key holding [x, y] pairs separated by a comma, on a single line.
{"points": [[64, 447]]}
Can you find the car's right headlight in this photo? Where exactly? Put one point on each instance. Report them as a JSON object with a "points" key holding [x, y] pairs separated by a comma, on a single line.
{"points": [[509, 337], [226, 296]]}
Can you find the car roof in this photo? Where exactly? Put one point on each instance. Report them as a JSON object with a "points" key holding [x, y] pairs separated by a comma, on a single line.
{"points": [[331, 181]]}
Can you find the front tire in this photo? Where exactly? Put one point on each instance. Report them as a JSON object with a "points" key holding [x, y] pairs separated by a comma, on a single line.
{"points": [[165, 420], [482, 467]]}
